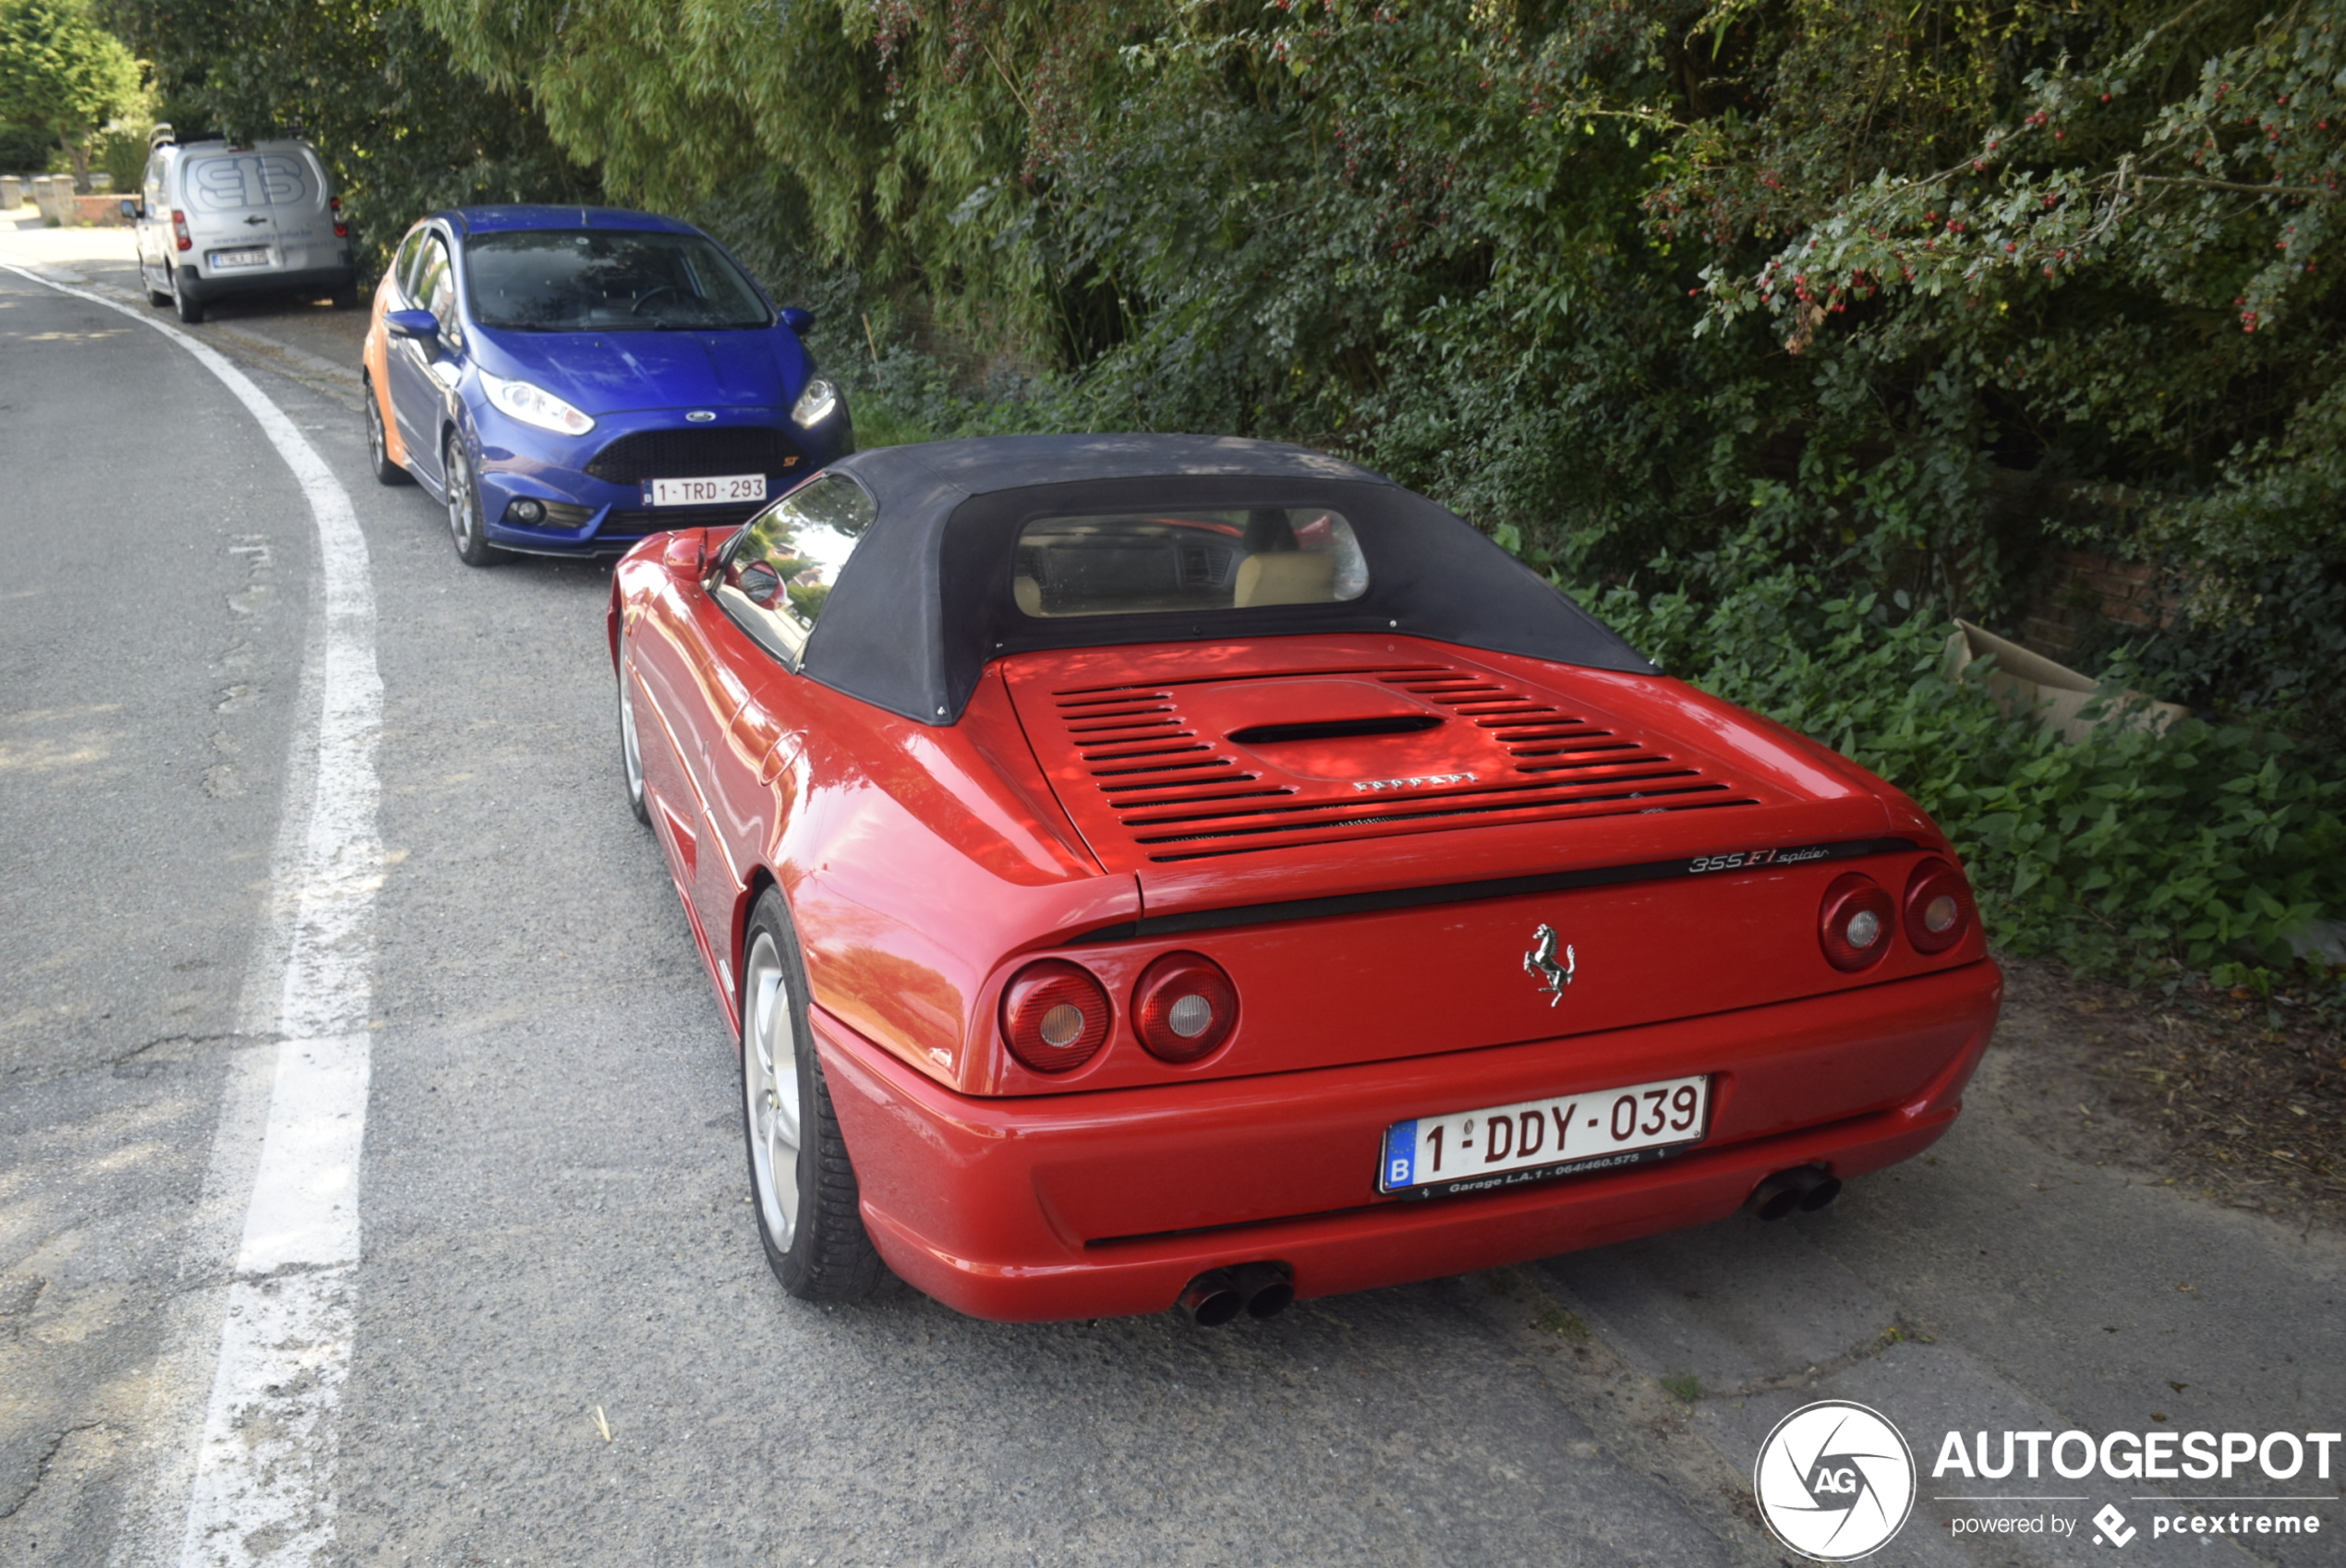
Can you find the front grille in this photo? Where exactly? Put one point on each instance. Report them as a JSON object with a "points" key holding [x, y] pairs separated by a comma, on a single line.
{"points": [[632, 521], [695, 454]]}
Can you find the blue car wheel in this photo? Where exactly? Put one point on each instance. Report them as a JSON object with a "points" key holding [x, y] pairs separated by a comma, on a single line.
{"points": [[465, 525]]}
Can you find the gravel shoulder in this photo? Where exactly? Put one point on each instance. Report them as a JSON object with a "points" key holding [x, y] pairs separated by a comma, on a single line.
{"points": [[2235, 1099]]}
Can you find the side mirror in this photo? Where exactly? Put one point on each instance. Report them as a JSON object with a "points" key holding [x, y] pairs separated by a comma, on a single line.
{"points": [[132, 211], [686, 552], [796, 319], [411, 323]]}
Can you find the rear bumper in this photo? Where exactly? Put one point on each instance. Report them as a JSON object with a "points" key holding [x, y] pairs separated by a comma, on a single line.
{"points": [[1109, 1204], [263, 280]]}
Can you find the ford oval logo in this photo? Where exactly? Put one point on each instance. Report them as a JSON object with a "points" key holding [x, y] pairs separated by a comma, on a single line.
{"points": [[700, 416]]}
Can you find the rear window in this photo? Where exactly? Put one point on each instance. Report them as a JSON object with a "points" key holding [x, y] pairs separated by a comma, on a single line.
{"points": [[607, 280], [1133, 563]]}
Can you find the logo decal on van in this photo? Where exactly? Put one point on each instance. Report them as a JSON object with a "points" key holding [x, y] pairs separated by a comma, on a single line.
{"points": [[247, 180]]}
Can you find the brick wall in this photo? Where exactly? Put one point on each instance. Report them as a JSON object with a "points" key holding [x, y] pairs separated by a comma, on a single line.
{"points": [[2087, 587]]}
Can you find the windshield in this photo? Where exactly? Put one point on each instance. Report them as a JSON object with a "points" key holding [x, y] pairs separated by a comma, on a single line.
{"points": [[778, 569], [1182, 561], [607, 280]]}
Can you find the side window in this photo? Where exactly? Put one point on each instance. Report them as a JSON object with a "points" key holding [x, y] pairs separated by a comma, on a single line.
{"points": [[436, 290], [156, 201], [403, 266], [778, 569]]}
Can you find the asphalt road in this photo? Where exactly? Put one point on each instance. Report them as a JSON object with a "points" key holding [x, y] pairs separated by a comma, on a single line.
{"points": [[566, 1347]]}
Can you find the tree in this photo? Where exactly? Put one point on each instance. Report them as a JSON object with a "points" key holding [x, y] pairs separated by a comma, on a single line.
{"points": [[400, 126], [61, 74]]}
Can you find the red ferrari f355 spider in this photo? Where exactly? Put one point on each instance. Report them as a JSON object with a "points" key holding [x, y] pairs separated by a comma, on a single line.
{"points": [[1145, 868]]}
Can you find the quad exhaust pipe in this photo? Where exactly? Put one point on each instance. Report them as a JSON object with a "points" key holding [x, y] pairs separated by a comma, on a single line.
{"points": [[1259, 1290], [1805, 1188]]}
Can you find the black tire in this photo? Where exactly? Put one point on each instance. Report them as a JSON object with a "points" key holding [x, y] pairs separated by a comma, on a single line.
{"points": [[631, 750], [466, 526], [189, 308], [346, 297], [378, 444], [825, 1255]]}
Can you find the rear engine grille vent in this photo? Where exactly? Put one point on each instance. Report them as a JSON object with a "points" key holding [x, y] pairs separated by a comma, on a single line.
{"points": [[694, 454], [1185, 793]]}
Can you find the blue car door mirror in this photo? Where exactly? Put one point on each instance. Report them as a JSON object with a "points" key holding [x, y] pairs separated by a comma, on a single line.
{"points": [[797, 319], [411, 323]]}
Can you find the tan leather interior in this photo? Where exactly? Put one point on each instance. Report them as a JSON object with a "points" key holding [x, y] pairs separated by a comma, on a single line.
{"points": [[1288, 577], [1030, 594]]}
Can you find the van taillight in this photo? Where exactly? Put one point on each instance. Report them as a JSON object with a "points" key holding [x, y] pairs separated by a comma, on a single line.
{"points": [[179, 235], [1938, 907], [342, 230], [1055, 1015], [1854, 923]]}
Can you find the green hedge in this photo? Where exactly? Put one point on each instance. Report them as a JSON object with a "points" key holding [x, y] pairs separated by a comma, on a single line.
{"points": [[2126, 853]]}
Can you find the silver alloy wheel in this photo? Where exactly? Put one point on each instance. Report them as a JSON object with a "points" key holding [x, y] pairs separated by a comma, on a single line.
{"points": [[769, 1088], [464, 507], [631, 751], [376, 452]]}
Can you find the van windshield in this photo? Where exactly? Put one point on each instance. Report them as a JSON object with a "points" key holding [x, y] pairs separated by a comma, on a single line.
{"points": [[607, 280]]}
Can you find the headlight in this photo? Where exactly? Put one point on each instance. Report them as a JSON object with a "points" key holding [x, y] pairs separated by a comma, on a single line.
{"points": [[815, 405], [535, 405]]}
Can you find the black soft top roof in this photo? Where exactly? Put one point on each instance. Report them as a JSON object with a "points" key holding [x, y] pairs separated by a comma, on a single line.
{"points": [[927, 599]]}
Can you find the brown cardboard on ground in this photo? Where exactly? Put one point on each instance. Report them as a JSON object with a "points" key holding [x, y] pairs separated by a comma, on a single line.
{"points": [[2031, 686]]}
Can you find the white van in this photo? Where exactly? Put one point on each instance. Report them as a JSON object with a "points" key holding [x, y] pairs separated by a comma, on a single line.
{"points": [[216, 220]]}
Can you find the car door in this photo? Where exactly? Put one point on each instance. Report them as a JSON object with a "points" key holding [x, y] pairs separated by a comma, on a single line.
{"points": [[418, 390], [153, 227], [744, 635]]}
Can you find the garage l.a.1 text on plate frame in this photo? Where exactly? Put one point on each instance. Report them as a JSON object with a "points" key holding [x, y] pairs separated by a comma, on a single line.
{"points": [[1536, 1139]]}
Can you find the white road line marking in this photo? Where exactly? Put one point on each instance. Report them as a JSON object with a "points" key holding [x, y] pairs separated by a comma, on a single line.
{"points": [[265, 1477]]}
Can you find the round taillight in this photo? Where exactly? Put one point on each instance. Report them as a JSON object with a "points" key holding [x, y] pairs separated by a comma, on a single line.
{"points": [[1854, 924], [1184, 1006], [1938, 907], [1055, 1015]]}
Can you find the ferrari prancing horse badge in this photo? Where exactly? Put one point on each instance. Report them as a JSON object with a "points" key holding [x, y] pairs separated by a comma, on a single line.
{"points": [[1541, 964]]}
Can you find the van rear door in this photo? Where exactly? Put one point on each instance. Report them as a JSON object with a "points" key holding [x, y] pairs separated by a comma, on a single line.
{"points": [[252, 210], [302, 216]]}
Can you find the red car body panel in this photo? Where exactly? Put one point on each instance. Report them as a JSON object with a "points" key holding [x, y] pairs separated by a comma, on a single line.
{"points": [[1097, 1204], [1363, 894]]}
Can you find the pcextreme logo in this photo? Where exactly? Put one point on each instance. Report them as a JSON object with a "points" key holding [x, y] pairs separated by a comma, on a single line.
{"points": [[1835, 1481]]}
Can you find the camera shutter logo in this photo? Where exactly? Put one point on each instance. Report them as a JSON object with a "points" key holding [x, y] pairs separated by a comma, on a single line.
{"points": [[1835, 1481]]}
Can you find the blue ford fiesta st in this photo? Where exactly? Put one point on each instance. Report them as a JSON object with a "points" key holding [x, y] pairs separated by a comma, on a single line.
{"points": [[568, 380]]}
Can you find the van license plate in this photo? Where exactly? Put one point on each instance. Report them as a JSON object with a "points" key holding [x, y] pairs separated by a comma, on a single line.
{"points": [[1505, 1145], [252, 256], [705, 492]]}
